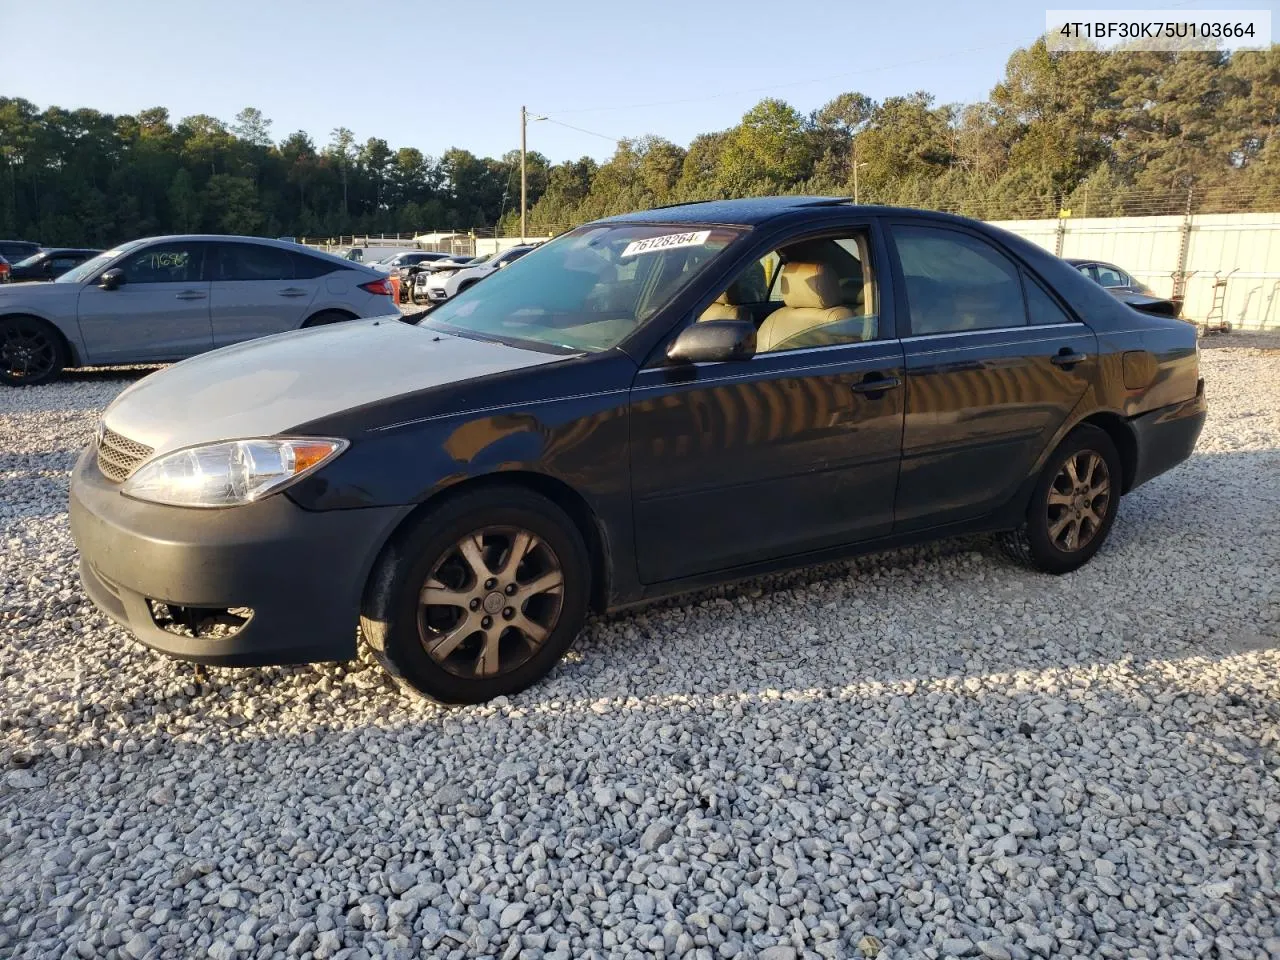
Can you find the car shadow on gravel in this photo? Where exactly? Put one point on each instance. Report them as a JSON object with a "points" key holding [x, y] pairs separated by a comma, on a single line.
{"points": [[1242, 340], [108, 374], [944, 612]]}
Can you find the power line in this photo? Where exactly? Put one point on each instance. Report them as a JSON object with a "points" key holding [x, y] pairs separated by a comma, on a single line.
{"points": [[561, 123]]}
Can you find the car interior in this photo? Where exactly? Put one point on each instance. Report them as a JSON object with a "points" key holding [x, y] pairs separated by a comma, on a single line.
{"points": [[812, 293]]}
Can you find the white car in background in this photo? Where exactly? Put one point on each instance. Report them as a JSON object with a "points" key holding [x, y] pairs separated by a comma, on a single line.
{"points": [[443, 283], [403, 258]]}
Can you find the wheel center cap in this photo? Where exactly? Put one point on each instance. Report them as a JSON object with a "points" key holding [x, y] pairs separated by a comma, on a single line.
{"points": [[494, 603]]}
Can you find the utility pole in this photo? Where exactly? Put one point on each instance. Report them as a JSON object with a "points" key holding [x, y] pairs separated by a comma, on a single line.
{"points": [[524, 180], [856, 165], [855, 171]]}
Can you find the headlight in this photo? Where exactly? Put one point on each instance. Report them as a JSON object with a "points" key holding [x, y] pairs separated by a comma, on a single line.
{"points": [[230, 473]]}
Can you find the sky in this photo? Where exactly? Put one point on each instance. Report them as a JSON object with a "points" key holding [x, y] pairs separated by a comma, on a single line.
{"points": [[433, 75]]}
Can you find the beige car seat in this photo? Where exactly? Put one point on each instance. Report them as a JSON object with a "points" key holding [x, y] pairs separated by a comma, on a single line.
{"points": [[810, 297], [745, 289]]}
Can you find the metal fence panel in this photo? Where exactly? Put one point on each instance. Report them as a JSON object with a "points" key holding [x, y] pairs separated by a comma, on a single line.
{"points": [[1243, 248]]}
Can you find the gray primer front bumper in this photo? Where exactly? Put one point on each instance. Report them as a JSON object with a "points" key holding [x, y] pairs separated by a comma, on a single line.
{"points": [[301, 572]]}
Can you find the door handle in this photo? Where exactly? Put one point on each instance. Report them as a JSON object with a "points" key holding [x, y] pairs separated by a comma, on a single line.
{"points": [[192, 295], [876, 384], [1066, 357], [292, 292]]}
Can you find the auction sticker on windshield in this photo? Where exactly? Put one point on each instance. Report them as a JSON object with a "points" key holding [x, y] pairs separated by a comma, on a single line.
{"points": [[667, 242]]}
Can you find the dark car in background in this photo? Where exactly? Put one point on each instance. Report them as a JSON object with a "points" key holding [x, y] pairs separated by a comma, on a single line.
{"points": [[647, 404], [15, 250], [1126, 289], [49, 264], [12, 251]]}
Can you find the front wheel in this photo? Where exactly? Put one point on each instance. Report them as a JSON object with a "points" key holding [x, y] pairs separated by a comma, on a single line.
{"points": [[480, 598], [1074, 504], [31, 352]]}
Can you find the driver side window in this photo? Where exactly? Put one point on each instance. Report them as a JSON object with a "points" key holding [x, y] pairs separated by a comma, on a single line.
{"points": [[810, 293], [165, 263]]}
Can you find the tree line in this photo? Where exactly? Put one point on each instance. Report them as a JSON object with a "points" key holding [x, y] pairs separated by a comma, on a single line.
{"points": [[1100, 133]]}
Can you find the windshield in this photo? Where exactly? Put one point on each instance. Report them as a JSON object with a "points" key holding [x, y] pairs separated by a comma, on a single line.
{"points": [[92, 266], [587, 290], [29, 261]]}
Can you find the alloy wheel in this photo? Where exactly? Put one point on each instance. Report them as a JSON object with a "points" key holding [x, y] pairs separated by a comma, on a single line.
{"points": [[1078, 501], [490, 602], [27, 352]]}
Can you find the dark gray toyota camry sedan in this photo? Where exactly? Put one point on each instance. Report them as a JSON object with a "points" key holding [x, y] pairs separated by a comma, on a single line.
{"points": [[646, 404]]}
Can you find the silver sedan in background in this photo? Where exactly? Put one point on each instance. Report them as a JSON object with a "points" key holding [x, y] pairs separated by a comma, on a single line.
{"points": [[168, 298]]}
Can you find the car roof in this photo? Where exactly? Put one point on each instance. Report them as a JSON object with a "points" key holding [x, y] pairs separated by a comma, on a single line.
{"points": [[746, 212], [753, 211], [263, 241]]}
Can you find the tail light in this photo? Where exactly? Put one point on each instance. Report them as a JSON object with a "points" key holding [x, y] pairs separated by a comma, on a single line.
{"points": [[379, 288], [4, 271]]}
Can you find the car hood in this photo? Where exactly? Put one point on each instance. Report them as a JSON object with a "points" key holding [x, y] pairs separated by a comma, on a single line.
{"points": [[272, 385]]}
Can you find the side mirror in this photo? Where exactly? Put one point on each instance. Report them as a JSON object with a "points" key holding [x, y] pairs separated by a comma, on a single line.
{"points": [[714, 341], [111, 279]]}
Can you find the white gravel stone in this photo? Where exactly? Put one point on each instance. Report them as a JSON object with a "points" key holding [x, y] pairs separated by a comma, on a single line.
{"points": [[932, 749]]}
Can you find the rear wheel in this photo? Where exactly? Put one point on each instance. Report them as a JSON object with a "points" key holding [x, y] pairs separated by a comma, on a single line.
{"points": [[31, 352], [1073, 506], [481, 598]]}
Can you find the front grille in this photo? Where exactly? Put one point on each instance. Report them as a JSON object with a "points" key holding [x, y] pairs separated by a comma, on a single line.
{"points": [[119, 456]]}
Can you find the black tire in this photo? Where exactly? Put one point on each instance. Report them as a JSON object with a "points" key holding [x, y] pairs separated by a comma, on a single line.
{"points": [[1044, 540], [397, 625], [31, 352], [325, 317]]}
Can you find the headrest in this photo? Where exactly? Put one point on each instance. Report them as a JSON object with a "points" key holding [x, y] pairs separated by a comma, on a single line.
{"points": [[810, 285], [750, 287]]}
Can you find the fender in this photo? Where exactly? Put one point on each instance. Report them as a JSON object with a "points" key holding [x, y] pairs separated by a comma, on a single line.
{"points": [[76, 351]]}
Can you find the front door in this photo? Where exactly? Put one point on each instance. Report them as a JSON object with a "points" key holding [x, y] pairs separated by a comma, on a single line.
{"points": [[791, 451], [160, 311], [255, 293], [994, 366]]}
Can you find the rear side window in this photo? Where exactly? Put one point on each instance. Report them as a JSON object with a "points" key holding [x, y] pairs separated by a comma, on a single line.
{"points": [[957, 282], [1111, 277], [307, 268], [1041, 307], [251, 261]]}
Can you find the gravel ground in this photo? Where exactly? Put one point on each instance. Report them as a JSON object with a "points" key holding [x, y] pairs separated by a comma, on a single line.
{"points": [[923, 754]]}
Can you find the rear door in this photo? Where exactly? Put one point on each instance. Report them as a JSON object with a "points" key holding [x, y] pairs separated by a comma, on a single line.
{"points": [[159, 312], [255, 292], [994, 365]]}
